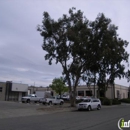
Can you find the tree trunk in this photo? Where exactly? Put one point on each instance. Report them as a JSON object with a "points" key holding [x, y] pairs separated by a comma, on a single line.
{"points": [[94, 84], [72, 104], [98, 92], [73, 97], [73, 93], [113, 91]]}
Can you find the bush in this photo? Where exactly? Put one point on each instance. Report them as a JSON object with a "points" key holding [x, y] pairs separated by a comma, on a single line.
{"points": [[116, 101], [125, 100], [106, 101], [102, 99]]}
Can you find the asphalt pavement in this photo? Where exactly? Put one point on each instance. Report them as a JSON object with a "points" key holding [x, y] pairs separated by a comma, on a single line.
{"points": [[67, 119], [18, 109]]}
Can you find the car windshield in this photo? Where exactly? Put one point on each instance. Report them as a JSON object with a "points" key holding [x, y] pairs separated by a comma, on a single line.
{"points": [[31, 95], [86, 100]]}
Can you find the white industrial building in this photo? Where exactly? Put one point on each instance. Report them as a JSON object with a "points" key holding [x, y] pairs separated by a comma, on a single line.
{"points": [[10, 91]]}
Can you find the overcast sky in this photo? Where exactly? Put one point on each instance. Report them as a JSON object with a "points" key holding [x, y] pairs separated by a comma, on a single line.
{"points": [[21, 55]]}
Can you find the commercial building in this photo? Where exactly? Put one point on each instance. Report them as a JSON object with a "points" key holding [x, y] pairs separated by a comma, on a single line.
{"points": [[118, 91], [10, 91]]}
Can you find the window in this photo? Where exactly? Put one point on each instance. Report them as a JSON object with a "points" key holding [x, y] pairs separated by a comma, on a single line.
{"points": [[89, 93], [87, 100], [95, 100], [0, 89], [80, 93], [118, 93]]}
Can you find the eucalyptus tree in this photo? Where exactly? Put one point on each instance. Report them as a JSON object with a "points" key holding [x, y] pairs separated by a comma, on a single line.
{"points": [[82, 46], [111, 54], [127, 75], [67, 42]]}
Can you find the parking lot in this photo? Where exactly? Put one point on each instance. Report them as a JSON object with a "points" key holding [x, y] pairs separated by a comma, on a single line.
{"points": [[16, 109]]}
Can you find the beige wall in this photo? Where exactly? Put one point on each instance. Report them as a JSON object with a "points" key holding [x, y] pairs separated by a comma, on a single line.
{"points": [[123, 91], [85, 88], [2, 94], [109, 93]]}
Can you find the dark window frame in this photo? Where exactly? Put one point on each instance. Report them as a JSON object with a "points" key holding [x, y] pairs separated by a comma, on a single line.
{"points": [[95, 100]]}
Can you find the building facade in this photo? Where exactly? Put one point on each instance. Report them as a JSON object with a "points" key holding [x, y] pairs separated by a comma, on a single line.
{"points": [[2, 91], [14, 91], [118, 91]]}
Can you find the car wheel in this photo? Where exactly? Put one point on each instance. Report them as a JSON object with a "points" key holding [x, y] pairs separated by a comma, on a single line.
{"points": [[89, 108], [79, 109], [61, 103], [50, 103], [98, 107], [23, 102], [44, 103], [28, 100]]}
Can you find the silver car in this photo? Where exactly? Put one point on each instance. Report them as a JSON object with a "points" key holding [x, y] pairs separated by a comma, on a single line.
{"points": [[89, 104]]}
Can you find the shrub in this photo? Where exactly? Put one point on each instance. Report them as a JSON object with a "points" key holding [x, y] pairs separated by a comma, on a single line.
{"points": [[102, 99], [105, 101], [116, 101], [125, 100]]}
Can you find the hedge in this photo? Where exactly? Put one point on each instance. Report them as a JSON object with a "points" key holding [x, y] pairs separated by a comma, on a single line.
{"points": [[125, 100], [106, 101]]}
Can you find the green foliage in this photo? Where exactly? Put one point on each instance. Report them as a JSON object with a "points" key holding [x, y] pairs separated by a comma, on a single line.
{"points": [[127, 75], [106, 101], [116, 102], [108, 51], [125, 100], [58, 85], [80, 45]]}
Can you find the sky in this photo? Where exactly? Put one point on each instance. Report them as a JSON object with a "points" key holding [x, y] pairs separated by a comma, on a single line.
{"points": [[21, 55]]}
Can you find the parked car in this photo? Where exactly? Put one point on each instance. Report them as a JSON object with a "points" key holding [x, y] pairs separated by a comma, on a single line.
{"points": [[65, 97], [31, 98], [86, 97], [89, 104], [52, 100], [36, 97]]}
